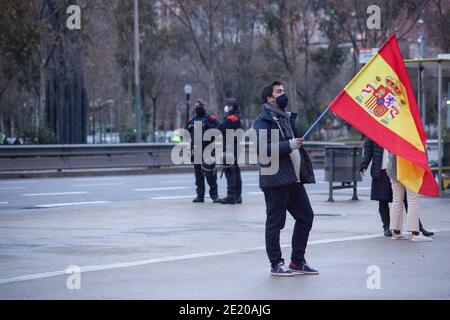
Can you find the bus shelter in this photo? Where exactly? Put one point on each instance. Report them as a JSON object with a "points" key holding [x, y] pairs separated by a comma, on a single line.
{"points": [[438, 66]]}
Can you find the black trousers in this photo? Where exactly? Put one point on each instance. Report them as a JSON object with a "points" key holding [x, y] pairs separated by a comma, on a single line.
{"points": [[211, 178], [383, 208], [294, 199], [234, 181]]}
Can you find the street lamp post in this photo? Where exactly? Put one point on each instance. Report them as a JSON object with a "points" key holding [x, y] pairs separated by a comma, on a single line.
{"points": [[422, 53], [188, 92], [136, 72]]}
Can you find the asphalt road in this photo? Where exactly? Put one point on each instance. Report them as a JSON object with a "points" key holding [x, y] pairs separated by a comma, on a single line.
{"points": [[140, 237], [25, 194]]}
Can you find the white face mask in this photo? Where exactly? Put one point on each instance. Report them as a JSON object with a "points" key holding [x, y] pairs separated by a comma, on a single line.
{"points": [[226, 109]]}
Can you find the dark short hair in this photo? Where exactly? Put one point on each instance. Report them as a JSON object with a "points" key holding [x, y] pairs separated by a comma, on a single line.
{"points": [[267, 90]]}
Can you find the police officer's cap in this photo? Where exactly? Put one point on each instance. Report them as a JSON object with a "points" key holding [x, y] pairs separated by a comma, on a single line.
{"points": [[232, 102], [200, 102]]}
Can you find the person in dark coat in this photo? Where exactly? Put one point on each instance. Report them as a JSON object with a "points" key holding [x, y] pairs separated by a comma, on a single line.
{"points": [[232, 171], [381, 189], [284, 190], [203, 170]]}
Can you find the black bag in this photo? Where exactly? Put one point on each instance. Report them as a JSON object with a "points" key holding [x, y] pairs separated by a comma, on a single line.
{"points": [[306, 168]]}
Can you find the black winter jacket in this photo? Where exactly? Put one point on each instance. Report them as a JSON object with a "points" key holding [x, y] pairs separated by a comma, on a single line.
{"points": [[286, 173], [208, 121], [231, 121], [372, 152]]}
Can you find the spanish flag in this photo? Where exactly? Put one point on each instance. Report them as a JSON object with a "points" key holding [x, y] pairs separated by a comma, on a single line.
{"points": [[380, 103]]}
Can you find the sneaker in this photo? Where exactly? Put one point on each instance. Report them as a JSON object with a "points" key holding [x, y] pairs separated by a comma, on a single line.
{"points": [[239, 199], [419, 238], [281, 271], [387, 232], [198, 199], [302, 269], [398, 236]]}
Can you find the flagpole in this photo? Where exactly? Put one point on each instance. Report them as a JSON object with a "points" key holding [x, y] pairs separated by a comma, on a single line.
{"points": [[305, 136]]}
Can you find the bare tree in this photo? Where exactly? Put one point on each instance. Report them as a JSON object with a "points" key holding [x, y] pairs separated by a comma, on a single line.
{"points": [[200, 19]]}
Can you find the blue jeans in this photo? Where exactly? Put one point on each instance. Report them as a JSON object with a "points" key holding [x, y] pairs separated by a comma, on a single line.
{"points": [[294, 199]]}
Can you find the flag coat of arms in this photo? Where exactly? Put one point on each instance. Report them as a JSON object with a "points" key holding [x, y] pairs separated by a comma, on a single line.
{"points": [[379, 102]]}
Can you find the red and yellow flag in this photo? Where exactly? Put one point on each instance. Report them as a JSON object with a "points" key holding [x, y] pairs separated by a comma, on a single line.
{"points": [[380, 103]]}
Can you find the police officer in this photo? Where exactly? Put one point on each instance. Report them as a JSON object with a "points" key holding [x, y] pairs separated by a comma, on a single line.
{"points": [[232, 172], [203, 170]]}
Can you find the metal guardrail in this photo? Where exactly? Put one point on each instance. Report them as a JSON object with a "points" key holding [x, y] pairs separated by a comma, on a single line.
{"points": [[137, 155], [65, 157]]}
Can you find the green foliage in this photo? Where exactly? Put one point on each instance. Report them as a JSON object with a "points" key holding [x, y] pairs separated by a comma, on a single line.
{"points": [[329, 61], [128, 135], [19, 42], [39, 135]]}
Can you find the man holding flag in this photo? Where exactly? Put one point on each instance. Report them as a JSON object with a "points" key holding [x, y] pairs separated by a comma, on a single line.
{"points": [[284, 190]]}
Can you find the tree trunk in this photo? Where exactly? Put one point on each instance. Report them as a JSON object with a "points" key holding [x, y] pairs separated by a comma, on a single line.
{"points": [[10, 118], [292, 94], [212, 91], [65, 95], [43, 76], [154, 118], [306, 81]]}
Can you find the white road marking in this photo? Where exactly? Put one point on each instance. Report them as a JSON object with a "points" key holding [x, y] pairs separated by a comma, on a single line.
{"points": [[94, 179], [250, 184], [351, 189], [317, 182], [130, 264], [12, 188], [13, 182], [176, 197], [161, 189], [325, 182], [178, 180], [68, 204], [255, 193], [97, 185], [54, 194], [2, 203]]}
